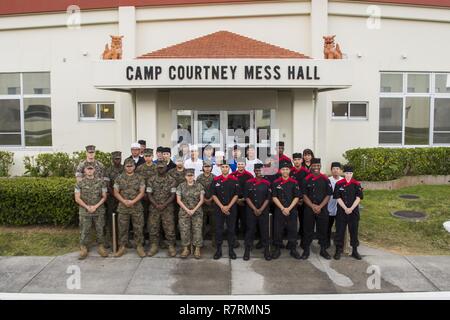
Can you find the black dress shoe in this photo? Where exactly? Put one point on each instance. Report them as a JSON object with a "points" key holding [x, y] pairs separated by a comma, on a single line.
{"points": [[337, 255], [305, 254], [247, 254], [355, 254], [236, 244], [218, 253], [276, 254], [232, 254], [267, 254], [259, 245], [294, 253], [325, 254]]}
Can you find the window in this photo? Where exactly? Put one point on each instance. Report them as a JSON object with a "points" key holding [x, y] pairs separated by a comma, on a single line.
{"points": [[25, 109], [96, 110], [418, 114], [349, 110]]}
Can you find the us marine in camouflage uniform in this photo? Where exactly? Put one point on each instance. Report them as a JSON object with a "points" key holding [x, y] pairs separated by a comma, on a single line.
{"points": [[129, 189], [90, 160], [190, 196], [146, 170], [205, 179], [111, 174], [161, 193], [90, 194], [178, 173]]}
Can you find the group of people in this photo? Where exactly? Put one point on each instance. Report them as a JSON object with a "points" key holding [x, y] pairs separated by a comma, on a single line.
{"points": [[276, 199]]}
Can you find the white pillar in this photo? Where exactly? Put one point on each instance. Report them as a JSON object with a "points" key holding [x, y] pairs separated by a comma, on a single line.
{"points": [[146, 116], [319, 26], [302, 120], [127, 29]]}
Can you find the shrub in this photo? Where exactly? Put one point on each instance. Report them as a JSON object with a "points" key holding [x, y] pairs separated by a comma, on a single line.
{"points": [[6, 161], [33, 201], [381, 164]]}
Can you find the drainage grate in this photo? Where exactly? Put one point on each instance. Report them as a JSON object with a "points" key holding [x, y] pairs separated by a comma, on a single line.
{"points": [[409, 196], [410, 215]]}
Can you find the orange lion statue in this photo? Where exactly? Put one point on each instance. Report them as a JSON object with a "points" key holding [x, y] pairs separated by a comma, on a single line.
{"points": [[330, 49], [115, 52]]}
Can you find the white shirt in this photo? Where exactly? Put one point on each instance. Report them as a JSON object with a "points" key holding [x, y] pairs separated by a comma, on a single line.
{"points": [[216, 170], [332, 204], [250, 165], [197, 165]]}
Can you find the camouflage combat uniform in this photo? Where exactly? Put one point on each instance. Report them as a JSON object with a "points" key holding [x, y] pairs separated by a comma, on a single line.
{"points": [[162, 188], [146, 171], [129, 187], [179, 177], [191, 226], [91, 192], [208, 209], [111, 174], [98, 166]]}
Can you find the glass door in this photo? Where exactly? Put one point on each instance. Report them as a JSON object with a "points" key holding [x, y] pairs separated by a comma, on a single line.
{"points": [[240, 130], [207, 126]]}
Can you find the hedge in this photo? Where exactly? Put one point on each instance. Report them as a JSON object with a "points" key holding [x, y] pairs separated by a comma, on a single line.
{"points": [[382, 164], [59, 164], [6, 161], [34, 201]]}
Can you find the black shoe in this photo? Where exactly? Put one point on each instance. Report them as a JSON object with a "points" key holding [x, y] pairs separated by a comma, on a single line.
{"points": [[232, 254], [259, 245], [305, 254], [218, 253], [236, 244], [355, 254], [325, 254], [337, 255], [267, 254], [247, 254], [276, 254], [294, 253]]}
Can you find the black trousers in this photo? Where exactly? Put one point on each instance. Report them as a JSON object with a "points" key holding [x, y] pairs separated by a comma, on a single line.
{"points": [[230, 221], [263, 225], [331, 220], [342, 221], [320, 221], [241, 219], [281, 223]]}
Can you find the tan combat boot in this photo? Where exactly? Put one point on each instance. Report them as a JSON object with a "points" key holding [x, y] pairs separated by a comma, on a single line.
{"points": [[140, 251], [153, 250], [197, 253], [172, 251], [186, 252], [121, 251], [102, 251], [83, 253]]}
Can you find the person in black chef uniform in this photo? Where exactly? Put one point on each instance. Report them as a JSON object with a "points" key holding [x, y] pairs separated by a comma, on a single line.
{"points": [[257, 194], [348, 193], [285, 195], [316, 194], [225, 191]]}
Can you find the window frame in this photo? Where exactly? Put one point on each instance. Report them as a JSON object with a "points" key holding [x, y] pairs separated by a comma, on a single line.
{"points": [[432, 95], [97, 111], [348, 117], [22, 98]]}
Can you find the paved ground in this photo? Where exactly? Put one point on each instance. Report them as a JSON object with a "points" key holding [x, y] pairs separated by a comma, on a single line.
{"points": [[161, 275]]}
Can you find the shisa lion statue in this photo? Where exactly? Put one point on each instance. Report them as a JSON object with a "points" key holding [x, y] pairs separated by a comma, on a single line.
{"points": [[115, 52], [330, 49]]}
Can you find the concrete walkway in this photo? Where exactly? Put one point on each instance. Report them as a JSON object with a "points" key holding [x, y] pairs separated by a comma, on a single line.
{"points": [[161, 275]]}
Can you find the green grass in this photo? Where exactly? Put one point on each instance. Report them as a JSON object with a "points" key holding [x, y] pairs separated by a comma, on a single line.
{"points": [[38, 241], [380, 229]]}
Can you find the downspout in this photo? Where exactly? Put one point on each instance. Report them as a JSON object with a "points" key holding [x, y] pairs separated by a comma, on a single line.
{"points": [[316, 118]]}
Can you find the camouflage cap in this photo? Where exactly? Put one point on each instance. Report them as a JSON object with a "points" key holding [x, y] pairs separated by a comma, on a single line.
{"points": [[89, 166], [179, 159], [128, 161], [190, 172], [148, 152], [90, 148], [116, 155], [207, 163]]}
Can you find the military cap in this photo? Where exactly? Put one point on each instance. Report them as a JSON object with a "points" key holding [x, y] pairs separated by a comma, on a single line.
{"points": [[90, 148], [315, 160], [135, 145], [142, 142], [128, 161], [335, 165], [207, 163], [190, 172], [89, 166], [285, 164], [116, 155], [179, 158], [280, 144], [148, 152], [258, 166], [167, 149], [160, 149], [297, 155], [348, 168], [160, 164]]}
